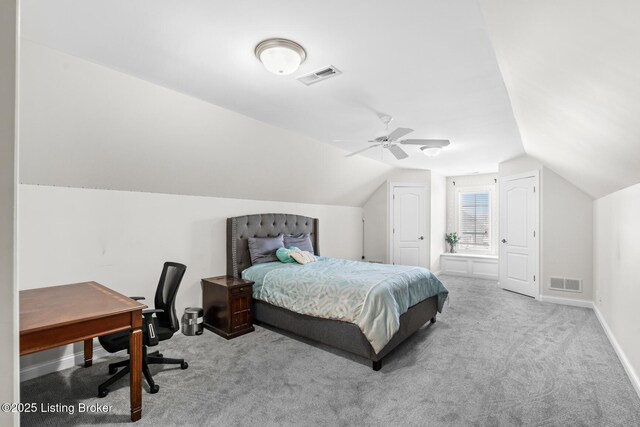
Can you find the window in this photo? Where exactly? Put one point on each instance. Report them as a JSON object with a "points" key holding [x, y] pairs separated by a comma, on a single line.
{"points": [[472, 212], [474, 220]]}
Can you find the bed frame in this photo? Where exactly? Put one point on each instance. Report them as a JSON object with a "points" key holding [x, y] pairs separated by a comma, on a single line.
{"points": [[342, 335]]}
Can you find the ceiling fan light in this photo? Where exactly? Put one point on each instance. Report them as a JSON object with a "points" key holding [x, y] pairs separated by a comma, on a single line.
{"points": [[280, 56], [431, 151]]}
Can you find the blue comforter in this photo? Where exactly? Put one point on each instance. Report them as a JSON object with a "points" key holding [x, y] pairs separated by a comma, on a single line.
{"points": [[373, 296]]}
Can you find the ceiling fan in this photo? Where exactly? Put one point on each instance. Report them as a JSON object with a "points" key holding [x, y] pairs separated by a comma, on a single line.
{"points": [[430, 147]]}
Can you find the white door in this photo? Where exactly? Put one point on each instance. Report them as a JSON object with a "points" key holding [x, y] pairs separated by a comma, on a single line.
{"points": [[410, 226], [519, 234]]}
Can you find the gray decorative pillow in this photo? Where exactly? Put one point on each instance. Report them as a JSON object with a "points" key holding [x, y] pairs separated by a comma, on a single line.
{"points": [[263, 249], [303, 242]]}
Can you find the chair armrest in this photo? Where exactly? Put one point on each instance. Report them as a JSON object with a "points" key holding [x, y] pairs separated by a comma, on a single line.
{"points": [[137, 298], [151, 311]]}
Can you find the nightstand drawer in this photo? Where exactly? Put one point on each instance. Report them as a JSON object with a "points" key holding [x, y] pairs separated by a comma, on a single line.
{"points": [[242, 290]]}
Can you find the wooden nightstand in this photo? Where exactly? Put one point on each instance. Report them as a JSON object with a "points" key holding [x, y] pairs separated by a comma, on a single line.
{"points": [[227, 306]]}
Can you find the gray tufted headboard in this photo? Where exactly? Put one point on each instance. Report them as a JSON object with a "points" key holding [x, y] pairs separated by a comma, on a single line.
{"points": [[240, 228]]}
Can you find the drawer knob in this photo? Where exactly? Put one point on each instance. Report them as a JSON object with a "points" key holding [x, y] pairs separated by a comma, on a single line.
{"points": [[241, 289]]}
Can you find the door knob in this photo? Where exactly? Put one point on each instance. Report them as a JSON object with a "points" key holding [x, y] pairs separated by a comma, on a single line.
{"points": [[504, 240], [421, 238]]}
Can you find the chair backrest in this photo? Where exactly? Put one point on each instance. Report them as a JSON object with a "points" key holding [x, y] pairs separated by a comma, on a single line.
{"points": [[170, 279]]}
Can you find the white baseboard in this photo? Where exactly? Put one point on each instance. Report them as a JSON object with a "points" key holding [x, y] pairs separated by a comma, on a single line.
{"points": [[631, 373], [567, 301], [68, 361]]}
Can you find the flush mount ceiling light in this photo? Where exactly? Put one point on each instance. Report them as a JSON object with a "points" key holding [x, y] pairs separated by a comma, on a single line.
{"points": [[434, 148], [280, 56]]}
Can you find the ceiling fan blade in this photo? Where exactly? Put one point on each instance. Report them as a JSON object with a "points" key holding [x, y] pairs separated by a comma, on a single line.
{"points": [[399, 133], [360, 151], [398, 152], [427, 142]]}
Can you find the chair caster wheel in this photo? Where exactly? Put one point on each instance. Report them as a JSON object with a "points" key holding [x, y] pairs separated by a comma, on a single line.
{"points": [[103, 393], [113, 371], [184, 365], [154, 389]]}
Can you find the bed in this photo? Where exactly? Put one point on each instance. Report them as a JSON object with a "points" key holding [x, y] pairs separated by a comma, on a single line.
{"points": [[342, 335]]}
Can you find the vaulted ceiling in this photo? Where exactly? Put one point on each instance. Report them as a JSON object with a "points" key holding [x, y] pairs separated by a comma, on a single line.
{"points": [[557, 79], [572, 69]]}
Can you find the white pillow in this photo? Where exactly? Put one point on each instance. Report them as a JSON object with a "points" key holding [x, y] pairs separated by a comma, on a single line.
{"points": [[302, 257]]}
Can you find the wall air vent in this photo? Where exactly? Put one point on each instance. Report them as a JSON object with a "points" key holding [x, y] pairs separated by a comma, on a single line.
{"points": [[574, 285], [563, 284], [319, 75]]}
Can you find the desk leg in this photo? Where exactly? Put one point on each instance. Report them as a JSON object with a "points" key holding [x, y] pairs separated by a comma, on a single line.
{"points": [[88, 353], [135, 357]]}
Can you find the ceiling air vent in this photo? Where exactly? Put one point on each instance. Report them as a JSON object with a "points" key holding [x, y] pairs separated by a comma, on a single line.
{"points": [[319, 75], [562, 284]]}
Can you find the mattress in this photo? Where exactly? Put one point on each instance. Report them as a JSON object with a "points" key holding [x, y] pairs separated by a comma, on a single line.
{"points": [[372, 296]]}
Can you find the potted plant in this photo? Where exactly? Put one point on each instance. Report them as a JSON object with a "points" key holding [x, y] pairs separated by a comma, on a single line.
{"points": [[452, 240]]}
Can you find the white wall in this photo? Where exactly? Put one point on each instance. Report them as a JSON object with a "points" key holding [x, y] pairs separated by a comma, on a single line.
{"points": [[438, 219], [567, 239], [8, 292], [121, 239], [566, 228], [616, 257], [518, 165], [410, 176], [375, 213], [471, 181], [84, 125]]}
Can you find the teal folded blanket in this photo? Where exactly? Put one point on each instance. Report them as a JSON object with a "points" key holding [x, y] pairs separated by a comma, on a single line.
{"points": [[372, 296]]}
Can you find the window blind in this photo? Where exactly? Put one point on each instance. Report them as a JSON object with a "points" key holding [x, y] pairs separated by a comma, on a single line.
{"points": [[474, 219]]}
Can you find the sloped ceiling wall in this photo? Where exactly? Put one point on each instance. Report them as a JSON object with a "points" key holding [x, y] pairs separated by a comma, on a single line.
{"points": [[572, 70], [84, 125], [428, 63]]}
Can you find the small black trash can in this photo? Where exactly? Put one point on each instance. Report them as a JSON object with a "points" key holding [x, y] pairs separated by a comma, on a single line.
{"points": [[192, 321]]}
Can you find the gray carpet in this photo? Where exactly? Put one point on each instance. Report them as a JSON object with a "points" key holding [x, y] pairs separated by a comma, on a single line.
{"points": [[494, 358]]}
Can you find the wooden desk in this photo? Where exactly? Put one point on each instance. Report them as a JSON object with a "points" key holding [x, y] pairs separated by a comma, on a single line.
{"points": [[59, 315]]}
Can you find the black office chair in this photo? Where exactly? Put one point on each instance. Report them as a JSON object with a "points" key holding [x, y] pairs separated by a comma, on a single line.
{"points": [[154, 329]]}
